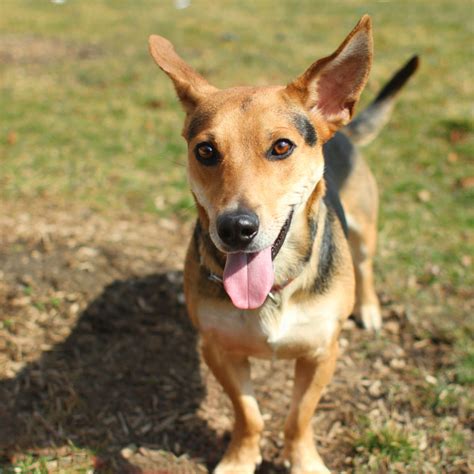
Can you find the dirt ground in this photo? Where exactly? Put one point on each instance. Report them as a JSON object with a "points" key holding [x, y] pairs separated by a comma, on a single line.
{"points": [[99, 364]]}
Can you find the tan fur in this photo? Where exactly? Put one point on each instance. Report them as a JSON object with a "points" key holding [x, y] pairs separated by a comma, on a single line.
{"points": [[361, 206], [305, 323]]}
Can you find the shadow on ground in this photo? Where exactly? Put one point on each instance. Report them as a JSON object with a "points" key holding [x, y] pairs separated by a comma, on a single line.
{"points": [[127, 373]]}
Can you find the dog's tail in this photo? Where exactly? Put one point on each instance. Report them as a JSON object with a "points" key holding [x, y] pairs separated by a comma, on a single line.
{"points": [[367, 125]]}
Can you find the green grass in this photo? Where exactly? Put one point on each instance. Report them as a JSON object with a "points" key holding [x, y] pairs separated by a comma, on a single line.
{"points": [[457, 443], [70, 459], [465, 368], [31, 464], [96, 121], [388, 442]]}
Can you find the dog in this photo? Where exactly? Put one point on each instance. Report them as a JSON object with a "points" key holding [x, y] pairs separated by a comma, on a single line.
{"points": [[283, 247]]}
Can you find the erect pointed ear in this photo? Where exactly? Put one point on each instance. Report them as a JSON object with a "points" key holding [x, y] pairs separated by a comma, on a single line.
{"points": [[190, 85], [332, 86]]}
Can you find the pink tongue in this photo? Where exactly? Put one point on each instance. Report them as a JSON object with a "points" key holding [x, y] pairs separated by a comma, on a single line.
{"points": [[248, 278]]}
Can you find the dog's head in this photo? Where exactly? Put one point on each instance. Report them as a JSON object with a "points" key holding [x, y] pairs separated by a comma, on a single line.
{"points": [[255, 153]]}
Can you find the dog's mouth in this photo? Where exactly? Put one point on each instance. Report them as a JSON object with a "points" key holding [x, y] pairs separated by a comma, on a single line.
{"points": [[248, 276]]}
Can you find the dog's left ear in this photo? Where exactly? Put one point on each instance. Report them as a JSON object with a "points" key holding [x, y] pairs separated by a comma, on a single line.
{"points": [[189, 84], [332, 86]]}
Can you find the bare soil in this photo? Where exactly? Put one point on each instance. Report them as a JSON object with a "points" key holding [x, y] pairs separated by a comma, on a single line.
{"points": [[97, 356]]}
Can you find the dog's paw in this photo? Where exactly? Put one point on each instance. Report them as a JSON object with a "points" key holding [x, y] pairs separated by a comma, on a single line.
{"points": [[304, 459], [371, 317], [230, 467], [312, 470], [316, 467]]}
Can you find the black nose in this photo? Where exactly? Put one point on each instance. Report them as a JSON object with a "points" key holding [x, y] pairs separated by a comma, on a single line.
{"points": [[237, 228]]}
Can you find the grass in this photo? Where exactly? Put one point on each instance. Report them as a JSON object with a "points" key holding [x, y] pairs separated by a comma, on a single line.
{"points": [[389, 447], [77, 462], [31, 464], [88, 118], [389, 443], [465, 367], [67, 460]]}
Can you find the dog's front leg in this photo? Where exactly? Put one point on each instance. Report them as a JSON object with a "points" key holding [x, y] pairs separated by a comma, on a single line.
{"points": [[233, 373], [311, 376]]}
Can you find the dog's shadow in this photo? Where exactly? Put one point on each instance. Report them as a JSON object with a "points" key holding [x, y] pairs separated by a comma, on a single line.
{"points": [[127, 373]]}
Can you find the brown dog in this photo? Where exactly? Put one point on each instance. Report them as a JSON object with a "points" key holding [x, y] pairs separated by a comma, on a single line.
{"points": [[269, 271]]}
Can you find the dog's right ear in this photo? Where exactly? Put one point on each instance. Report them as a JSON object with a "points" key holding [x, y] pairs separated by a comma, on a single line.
{"points": [[332, 86], [190, 86]]}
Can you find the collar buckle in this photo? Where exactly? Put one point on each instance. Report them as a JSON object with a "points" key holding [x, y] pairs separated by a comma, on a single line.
{"points": [[214, 278]]}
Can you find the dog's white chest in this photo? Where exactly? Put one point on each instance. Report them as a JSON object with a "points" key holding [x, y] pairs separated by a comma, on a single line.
{"points": [[291, 330]]}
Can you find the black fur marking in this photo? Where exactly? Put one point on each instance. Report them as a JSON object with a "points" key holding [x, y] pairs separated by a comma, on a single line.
{"points": [[339, 159], [197, 236], [332, 201], [327, 255], [305, 128], [197, 124], [210, 249], [205, 286], [313, 230]]}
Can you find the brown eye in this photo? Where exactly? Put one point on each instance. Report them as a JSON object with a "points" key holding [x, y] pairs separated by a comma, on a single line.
{"points": [[281, 149], [206, 153]]}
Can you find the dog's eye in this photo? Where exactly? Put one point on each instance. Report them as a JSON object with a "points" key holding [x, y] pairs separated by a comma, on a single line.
{"points": [[281, 149], [206, 153]]}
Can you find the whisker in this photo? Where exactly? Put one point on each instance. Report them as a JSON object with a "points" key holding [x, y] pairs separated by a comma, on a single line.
{"points": [[174, 162]]}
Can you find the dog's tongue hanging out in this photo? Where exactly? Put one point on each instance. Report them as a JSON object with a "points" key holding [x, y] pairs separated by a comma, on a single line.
{"points": [[248, 278]]}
